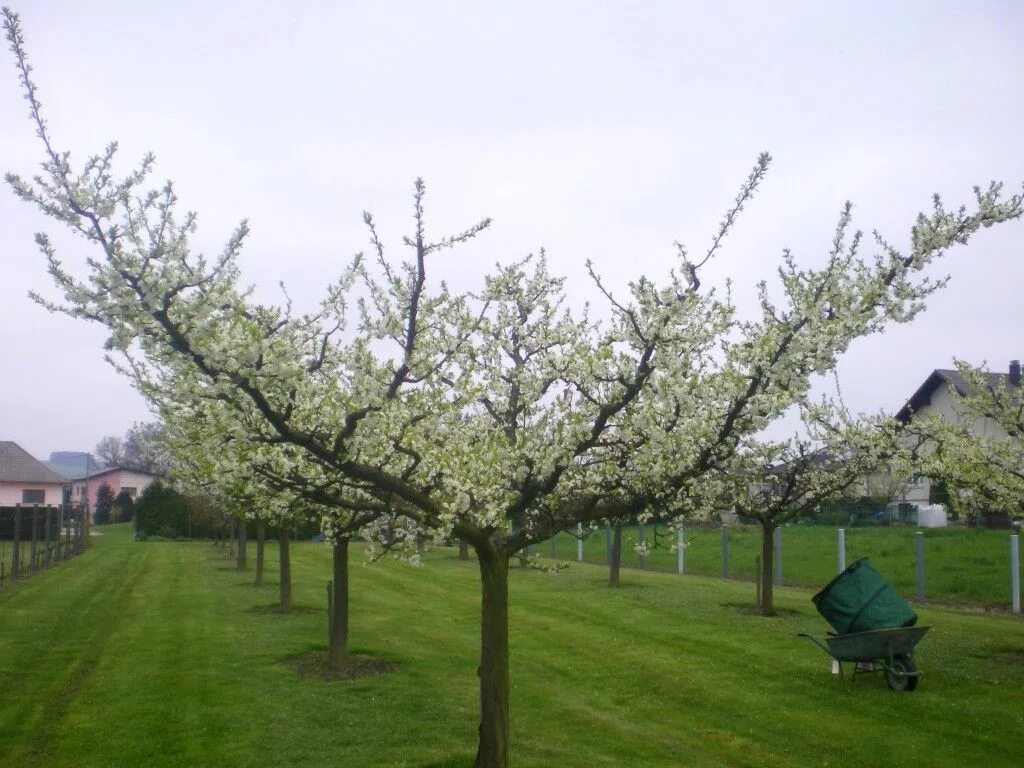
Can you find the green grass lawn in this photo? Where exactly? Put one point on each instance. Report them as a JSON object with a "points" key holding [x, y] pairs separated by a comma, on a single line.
{"points": [[159, 654], [961, 565]]}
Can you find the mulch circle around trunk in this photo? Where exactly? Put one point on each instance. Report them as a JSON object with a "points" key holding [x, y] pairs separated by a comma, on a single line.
{"points": [[314, 665]]}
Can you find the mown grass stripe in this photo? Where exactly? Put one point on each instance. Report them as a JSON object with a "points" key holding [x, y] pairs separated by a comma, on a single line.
{"points": [[158, 655]]}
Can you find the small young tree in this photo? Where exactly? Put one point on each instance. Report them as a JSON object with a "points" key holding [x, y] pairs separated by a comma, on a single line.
{"points": [[778, 482], [204, 459], [104, 504], [267, 482]]}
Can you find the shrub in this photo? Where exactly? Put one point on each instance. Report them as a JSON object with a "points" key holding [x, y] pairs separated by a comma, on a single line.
{"points": [[162, 512], [104, 504], [124, 508], [159, 510]]}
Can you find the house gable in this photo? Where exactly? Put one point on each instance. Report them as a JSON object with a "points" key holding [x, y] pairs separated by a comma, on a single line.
{"points": [[84, 489], [941, 397], [18, 466], [26, 480], [939, 379]]}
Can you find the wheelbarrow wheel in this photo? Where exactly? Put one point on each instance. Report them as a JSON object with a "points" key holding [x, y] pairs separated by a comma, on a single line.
{"points": [[901, 674]]}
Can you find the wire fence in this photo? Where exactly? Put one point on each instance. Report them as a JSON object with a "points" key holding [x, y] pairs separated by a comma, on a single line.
{"points": [[33, 538], [958, 565]]}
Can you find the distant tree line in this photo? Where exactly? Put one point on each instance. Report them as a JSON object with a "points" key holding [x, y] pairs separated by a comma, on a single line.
{"points": [[140, 448]]}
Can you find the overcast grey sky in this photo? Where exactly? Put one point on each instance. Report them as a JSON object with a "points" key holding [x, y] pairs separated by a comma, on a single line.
{"points": [[595, 130]]}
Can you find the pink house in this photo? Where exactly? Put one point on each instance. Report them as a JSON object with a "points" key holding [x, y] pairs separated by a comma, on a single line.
{"points": [[25, 480], [118, 478]]}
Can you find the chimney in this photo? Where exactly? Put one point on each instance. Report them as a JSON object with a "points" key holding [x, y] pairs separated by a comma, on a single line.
{"points": [[1015, 373]]}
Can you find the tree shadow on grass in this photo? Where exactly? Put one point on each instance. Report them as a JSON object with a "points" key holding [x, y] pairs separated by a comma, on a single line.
{"points": [[749, 609], [463, 760], [1006, 654], [625, 586], [249, 582], [312, 665], [274, 609]]}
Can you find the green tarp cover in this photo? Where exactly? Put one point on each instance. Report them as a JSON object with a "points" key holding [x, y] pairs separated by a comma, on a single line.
{"points": [[860, 600]]}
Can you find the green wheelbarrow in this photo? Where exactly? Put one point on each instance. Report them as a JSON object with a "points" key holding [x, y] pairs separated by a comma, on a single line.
{"points": [[874, 626], [890, 651]]}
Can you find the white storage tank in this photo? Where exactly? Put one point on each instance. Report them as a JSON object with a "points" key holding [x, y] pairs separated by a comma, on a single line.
{"points": [[932, 516]]}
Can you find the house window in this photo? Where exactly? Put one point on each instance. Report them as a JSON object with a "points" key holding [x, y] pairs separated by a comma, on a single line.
{"points": [[33, 496], [130, 490]]}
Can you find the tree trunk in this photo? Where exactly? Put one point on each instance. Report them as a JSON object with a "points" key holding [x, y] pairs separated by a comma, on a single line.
{"points": [[615, 561], [261, 535], [767, 606], [463, 551], [337, 651], [286, 569], [492, 749], [243, 546]]}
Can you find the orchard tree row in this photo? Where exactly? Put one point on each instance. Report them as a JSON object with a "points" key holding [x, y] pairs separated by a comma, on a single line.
{"points": [[402, 410]]}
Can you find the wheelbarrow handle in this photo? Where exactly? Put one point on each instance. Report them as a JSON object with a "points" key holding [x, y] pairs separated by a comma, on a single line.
{"points": [[816, 641]]}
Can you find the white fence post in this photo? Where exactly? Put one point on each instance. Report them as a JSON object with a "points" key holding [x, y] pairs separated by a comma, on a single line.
{"points": [[680, 551], [842, 550], [1015, 571], [579, 542], [641, 539], [778, 555], [919, 541], [725, 551]]}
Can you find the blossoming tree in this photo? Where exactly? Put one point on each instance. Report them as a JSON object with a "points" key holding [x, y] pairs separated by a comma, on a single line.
{"points": [[775, 482], [979, 456], [266, 481], [496, 418]]}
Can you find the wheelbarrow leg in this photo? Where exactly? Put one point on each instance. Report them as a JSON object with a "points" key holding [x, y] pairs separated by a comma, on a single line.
{"points": [[825, 648]]}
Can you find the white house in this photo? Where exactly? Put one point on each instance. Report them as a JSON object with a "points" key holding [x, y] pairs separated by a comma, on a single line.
{"points": [[25, 480], [132, 481], [941, 395]]}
